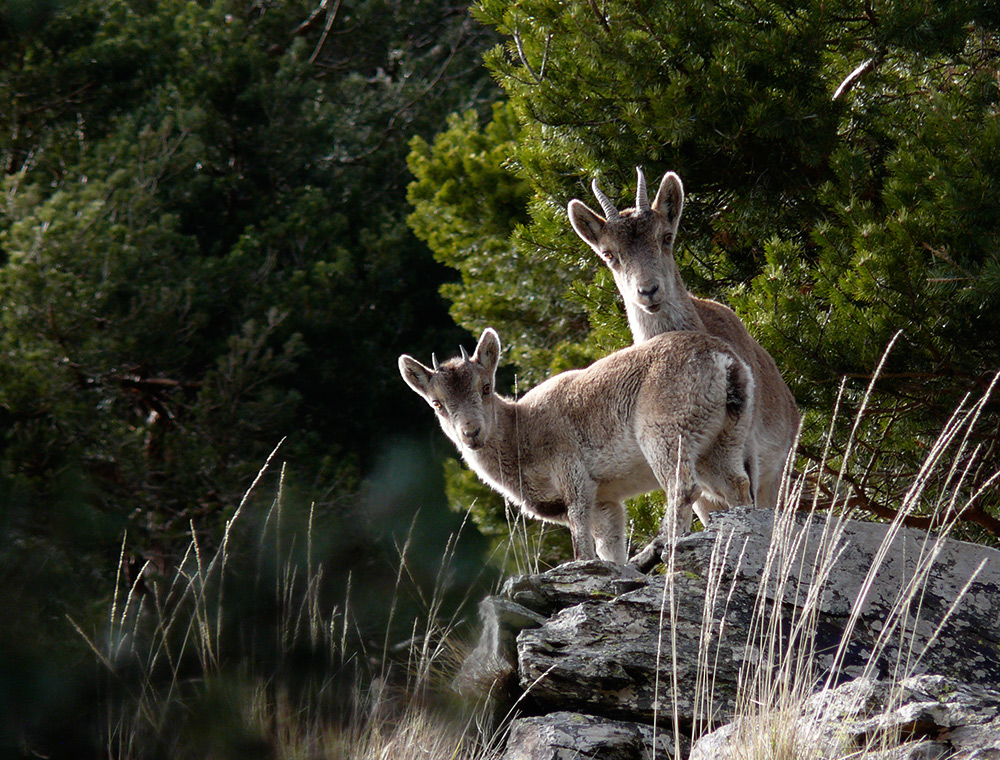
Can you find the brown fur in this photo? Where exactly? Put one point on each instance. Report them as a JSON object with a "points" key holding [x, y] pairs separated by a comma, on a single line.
{"points": [[638, 246], [655, 415]]}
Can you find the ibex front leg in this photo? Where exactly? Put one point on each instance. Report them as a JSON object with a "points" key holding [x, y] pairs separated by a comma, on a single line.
{"points": [[581, 499], [609, 531], [581, 531]]}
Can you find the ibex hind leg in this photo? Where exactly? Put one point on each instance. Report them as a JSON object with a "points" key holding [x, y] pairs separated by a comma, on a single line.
{"points": [[767, 493], [677, 478], [672, 463], [609, 532], [734, 455], [739, 473], [728, 468], [726, 482]]}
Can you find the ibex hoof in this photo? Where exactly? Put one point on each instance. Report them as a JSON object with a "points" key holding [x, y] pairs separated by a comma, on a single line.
{"points": [[659, 550], [649, 557]]}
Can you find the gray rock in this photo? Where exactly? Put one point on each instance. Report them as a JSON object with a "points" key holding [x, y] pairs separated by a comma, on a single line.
{"points": [[826, 606], [865, 566], [962, 718], [610, 657], [920, 717], [736, 601], [527, 602], [572, 583], [573, 736], [490, 667]]}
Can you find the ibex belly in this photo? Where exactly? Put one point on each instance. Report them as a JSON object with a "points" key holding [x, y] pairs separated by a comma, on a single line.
{"points": [[550, 511], [622, 472]]}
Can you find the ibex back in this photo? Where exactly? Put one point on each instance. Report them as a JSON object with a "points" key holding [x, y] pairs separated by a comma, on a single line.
{"points": [[671, 413], [637, 245]]}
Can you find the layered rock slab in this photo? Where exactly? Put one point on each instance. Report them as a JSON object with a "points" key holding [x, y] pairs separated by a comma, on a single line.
{"points": [[831, 590], [920, 717], [605, 641], [571, 736]]}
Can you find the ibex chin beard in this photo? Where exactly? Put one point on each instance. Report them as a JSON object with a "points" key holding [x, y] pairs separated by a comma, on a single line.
{"points": [[650, 308]]}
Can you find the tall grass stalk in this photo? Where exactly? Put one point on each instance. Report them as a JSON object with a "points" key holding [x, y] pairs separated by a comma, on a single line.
{"points": [[172, 640], [181, 655], [779, 672]]}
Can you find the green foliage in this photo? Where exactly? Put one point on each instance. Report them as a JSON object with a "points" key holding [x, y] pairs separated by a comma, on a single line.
{"points": [[203, 236], [468, 202], [274, 641], [840, 163], [203, 251]]}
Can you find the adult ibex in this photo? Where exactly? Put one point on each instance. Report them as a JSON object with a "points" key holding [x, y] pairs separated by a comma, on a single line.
{"points": [[637, 244], [670, 413]]}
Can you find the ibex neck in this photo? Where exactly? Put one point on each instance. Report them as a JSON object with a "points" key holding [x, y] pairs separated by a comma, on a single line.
{"points": [[499, 461], [677, 313]]}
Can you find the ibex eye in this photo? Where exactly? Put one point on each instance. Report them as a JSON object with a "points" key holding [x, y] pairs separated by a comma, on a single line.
{"points": [[486, 389], [438, 405]]}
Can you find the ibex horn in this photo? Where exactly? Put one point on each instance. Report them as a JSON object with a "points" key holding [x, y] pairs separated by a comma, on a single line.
{"points": [[434, 363], [465, 354], [641, 199], [609, 208]]}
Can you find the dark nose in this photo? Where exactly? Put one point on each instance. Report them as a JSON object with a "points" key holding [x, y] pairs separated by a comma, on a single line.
{"points": [[648, 291], [472, 432]]}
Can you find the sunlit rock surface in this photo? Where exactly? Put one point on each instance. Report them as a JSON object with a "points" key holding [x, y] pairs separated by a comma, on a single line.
{"points": [[829, 602]]}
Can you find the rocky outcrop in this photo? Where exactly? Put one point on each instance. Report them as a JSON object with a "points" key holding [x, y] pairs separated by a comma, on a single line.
{"points": [[921, 717], [571, 736], [754, 609]]}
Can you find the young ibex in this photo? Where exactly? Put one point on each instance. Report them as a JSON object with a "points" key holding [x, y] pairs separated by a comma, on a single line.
{"points": [[638, 246], [671, 413]]}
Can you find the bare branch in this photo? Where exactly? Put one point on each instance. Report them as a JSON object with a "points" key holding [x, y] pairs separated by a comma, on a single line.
{"points": [[524, 59], [973, 513], [330, 16], [600, 16], [313, 19], [852, 78]]}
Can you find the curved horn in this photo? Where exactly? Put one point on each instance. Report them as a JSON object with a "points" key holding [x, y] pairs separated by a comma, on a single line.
{"points": [[434, 363], [465, 354], [609, 208], [641, 198]]}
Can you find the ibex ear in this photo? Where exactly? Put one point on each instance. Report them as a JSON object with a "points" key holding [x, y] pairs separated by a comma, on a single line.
{"points": [[669, 200], [587, 224], [416, 375], [488, 350]]}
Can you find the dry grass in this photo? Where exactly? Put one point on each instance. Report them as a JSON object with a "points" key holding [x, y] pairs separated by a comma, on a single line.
{"points": [[775, 685], [183, 678], [188, 675]]}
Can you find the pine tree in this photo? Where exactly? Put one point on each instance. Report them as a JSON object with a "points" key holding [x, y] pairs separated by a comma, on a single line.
{"points": [[840, 165], [203, 250]]}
